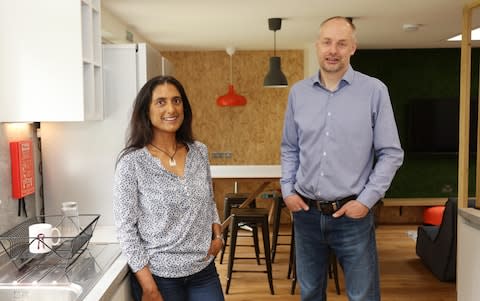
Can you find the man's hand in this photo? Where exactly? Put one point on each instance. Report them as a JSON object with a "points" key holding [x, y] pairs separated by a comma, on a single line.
{"points": [[352, 209], [295, 203]]}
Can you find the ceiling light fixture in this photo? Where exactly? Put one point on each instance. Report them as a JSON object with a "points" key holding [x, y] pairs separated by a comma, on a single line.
{"points": [[475, 36], [275, 77], [231, 98], [410, 27]]}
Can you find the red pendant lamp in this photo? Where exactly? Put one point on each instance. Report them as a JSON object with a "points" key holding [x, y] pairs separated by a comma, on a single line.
{"points": [[231, 98]]}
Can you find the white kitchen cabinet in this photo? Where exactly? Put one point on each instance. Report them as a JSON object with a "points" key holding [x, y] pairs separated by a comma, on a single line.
{"points": [[123, 292], [51, 61]]}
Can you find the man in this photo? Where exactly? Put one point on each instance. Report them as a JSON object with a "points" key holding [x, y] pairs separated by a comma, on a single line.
{"points": [[340, 150]]}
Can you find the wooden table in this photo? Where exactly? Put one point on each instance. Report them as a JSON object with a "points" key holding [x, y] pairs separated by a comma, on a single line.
{"points": [[414, 202], [263, 174]]}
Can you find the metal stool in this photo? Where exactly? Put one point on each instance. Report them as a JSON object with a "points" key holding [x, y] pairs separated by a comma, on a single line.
{"points": [[279, 205], [257, 217], [233, 200]]}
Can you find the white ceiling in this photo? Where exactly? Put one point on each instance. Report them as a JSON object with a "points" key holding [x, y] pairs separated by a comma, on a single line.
{"points": [[217, 24]]}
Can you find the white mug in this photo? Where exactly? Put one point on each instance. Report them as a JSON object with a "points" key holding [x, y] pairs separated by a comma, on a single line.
{"points": [[40, 238]]}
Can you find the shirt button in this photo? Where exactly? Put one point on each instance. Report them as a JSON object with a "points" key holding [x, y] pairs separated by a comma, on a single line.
{"points": [[329, 114], [324, 153], [327, 133], [322, 174]]}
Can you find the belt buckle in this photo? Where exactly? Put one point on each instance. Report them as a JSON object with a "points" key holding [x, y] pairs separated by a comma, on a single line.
{"points": [[327, 208]]}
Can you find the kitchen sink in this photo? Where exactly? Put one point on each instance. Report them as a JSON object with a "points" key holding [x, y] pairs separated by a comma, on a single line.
{"points": [[45, 279], [68, 292]]}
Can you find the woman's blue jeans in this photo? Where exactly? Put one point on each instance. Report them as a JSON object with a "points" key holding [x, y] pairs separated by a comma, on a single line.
{"points": [[352, 241], [202, 286]]}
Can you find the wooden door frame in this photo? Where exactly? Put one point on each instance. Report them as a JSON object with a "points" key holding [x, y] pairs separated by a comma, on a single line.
{"points": [[464, 122]]}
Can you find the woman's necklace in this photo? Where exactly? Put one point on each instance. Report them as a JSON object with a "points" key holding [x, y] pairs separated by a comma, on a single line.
{"points": [[172, 161]]}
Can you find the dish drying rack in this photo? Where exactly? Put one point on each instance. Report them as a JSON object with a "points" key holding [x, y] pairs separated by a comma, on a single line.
{"points": [[16, 241]]}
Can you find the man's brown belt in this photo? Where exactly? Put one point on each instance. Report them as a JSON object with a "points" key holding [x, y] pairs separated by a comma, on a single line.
{"points": [[327, 207]]}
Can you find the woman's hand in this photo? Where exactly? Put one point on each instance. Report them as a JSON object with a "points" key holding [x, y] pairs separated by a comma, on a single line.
{"points": [[217, 241], [153, 295], [215, 246], [149, 287]]}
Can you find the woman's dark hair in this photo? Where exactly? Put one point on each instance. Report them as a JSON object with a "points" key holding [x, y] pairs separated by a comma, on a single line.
{"points": [[140, 131]]}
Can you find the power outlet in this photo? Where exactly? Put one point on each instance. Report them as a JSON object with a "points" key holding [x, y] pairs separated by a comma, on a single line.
{"points": [[217, 155], [221, 155]]}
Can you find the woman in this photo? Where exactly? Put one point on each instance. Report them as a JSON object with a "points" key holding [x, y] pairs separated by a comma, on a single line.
{"points": [[166, 217]]}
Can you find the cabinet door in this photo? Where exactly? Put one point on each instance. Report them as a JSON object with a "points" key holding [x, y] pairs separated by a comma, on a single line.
{"points": [[43, 71], [92, 60], [123, 292]]}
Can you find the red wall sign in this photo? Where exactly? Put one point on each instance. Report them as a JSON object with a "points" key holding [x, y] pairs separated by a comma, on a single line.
{"points": [[23, 170]]}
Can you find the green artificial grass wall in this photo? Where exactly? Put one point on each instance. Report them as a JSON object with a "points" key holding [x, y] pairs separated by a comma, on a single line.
{"points": [[415, 74]]}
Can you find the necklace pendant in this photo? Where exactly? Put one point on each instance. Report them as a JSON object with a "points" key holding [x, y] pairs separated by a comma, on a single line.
{"points": [[172, 162]]}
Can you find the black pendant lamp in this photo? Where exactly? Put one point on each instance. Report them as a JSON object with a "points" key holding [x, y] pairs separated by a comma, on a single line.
{"points": [[275, 77]]}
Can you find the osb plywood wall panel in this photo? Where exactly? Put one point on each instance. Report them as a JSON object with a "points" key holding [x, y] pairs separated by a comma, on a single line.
{"points": [[252, 133]]}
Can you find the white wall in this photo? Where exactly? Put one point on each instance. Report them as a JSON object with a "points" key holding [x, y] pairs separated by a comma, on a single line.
{"points": [[310, 60], [115, 31], [468, 259]]}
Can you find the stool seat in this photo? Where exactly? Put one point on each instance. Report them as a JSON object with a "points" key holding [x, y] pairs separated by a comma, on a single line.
{"points": [[234, 200], [246, 213], [256, 217]]}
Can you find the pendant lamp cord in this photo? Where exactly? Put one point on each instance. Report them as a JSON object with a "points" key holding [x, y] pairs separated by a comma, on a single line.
{"points": [[231, 70], [230, 52], [274, 43]]}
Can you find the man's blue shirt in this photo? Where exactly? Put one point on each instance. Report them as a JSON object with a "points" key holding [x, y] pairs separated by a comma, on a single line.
{"points": [[342, 142]]}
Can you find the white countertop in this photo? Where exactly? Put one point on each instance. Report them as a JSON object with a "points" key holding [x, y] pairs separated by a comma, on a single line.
{"points": [[472, 215], [245, 171], [117, 271], [104, 234]]}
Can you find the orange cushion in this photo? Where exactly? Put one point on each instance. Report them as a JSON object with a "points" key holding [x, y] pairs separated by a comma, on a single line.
{"points": [[433, 215]]}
